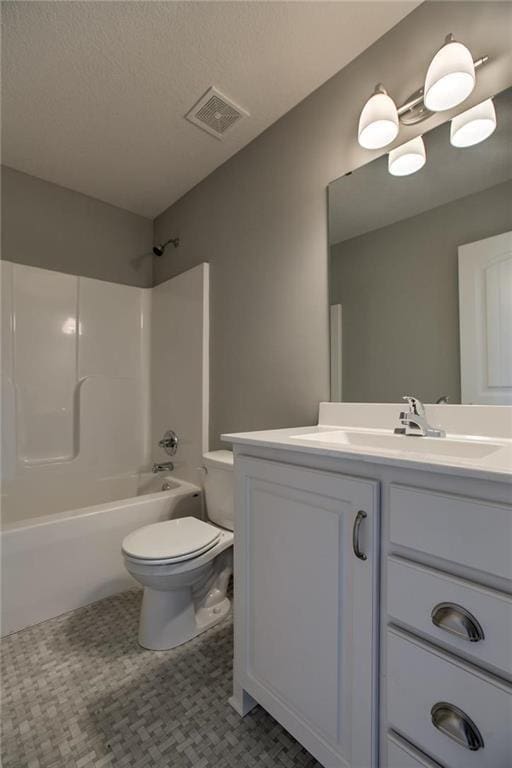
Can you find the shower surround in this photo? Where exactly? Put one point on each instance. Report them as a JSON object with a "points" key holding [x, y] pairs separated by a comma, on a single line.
{"points": [[93, 373], [75, 368]]}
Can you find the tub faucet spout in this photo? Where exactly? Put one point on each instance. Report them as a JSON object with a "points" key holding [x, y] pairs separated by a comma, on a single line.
{"points": [[164, 466]]}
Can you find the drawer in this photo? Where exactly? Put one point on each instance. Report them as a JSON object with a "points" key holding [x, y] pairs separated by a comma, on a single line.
{"points": [[473, 533], [414, 591], [403, 755], [420, 677]]}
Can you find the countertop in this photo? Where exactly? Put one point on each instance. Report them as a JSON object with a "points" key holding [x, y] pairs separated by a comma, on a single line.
{"points": [[495, 466]]}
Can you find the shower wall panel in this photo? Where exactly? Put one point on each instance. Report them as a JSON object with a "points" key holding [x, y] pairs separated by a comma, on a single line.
{"points": [[45, 364], [74, 388], [180, 383]]}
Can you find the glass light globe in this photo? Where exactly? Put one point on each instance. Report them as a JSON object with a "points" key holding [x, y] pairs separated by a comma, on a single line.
{"points": [[378, 123], [473, 125], [408, 158], [450, 77]]}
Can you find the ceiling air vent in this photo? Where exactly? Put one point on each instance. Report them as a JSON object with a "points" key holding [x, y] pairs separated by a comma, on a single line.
{"points": [[215, 113]]}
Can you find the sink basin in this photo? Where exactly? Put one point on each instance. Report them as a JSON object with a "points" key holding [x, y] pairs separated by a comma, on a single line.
{"points": [[388, 441]]}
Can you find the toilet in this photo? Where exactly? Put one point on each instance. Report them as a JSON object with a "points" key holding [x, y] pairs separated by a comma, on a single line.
{"points": [[185, 564]]}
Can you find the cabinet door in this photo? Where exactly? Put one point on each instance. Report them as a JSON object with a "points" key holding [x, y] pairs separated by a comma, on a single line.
{"points": [[305, 605]]}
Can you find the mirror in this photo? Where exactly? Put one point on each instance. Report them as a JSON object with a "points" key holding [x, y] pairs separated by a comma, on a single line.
{"points": [[396, 247]]}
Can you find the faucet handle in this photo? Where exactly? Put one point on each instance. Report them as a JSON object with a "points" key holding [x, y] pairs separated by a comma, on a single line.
{"points": [[415, 405], [169, 442]]}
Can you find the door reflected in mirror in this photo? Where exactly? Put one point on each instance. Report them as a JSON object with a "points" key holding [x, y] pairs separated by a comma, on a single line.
{"points": [[421, 274]]}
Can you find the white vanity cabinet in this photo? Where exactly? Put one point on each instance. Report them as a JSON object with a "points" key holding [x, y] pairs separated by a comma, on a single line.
{"points": [[373, 593], [306, 628]]}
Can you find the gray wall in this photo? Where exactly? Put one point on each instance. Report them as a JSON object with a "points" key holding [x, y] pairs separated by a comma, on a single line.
{"points": [[398, 287], [261, 220], [48, 226]]}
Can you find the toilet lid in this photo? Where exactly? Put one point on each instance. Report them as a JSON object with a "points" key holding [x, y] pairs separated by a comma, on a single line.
{"points": [[172, 539]]}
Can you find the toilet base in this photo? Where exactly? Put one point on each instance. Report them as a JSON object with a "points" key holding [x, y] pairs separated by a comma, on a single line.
{"points": [[168, 619], [186, 605], [209, 616]]}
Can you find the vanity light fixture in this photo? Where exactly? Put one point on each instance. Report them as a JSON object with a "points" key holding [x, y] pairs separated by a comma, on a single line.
{"points": [[450, 80], [474, 125], [407, 158], [450, 77], [378, 123]]}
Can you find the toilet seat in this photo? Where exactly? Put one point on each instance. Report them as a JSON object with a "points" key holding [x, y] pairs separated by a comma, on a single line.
{"points": [[172, 541]]}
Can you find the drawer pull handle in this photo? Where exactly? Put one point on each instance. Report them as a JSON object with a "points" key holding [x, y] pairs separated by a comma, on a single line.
{"points": [[455, 619], [355, 535], [455, 724]]}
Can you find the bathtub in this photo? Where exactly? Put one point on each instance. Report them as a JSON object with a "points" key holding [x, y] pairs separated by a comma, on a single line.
{"points": [[57, 562]]}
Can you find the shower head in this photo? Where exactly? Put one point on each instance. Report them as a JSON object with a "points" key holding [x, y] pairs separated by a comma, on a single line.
{"points": [[158, 250]]}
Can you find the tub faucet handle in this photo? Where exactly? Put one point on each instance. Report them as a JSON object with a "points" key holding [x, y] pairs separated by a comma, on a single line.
{"points": [[169, 442]]}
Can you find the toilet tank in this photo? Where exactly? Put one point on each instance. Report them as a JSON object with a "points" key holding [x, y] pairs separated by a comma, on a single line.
{"points": [[218, 488]]}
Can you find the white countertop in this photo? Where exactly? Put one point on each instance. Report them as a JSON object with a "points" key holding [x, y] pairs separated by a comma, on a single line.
{"points": [[479, 427]]}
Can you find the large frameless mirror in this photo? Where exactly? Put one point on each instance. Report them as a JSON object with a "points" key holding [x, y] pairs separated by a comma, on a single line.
{"points": [[421, 274]]}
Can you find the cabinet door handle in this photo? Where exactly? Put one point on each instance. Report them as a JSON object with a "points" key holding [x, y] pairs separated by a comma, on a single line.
{"points": [[355, 535], [457, 620], [455, 724]]}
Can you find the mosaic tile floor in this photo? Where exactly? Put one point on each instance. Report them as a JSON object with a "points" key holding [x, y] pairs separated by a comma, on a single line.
{"points": [[78, 692]]}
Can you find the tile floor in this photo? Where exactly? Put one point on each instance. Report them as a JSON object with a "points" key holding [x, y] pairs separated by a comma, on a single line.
{"points": [[78, 692]]}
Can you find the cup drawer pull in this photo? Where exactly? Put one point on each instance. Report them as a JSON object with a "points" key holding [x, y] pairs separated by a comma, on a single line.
{"points": [[455, 724], [457, 620]]}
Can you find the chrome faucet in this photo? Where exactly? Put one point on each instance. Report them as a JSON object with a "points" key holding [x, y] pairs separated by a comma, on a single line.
{"points": [[415, 422], [169, 442], [164, 466]]}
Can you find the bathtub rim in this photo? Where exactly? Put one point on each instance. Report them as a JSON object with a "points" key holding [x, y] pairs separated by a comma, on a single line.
{"points": [[184, 488]]}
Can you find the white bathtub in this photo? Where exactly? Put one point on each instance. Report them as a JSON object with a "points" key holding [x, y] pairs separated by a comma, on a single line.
{"points": [[58, 562]]}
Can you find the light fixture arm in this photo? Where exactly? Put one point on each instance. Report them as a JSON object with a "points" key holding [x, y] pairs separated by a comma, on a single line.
{"points": [[379, 88]]}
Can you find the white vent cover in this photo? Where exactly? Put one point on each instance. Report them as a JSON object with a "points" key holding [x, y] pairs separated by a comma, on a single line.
{"points": [[215, 113]]}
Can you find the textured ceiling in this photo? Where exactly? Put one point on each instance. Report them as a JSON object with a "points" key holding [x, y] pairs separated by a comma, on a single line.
{"points": [[95, 93]]}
